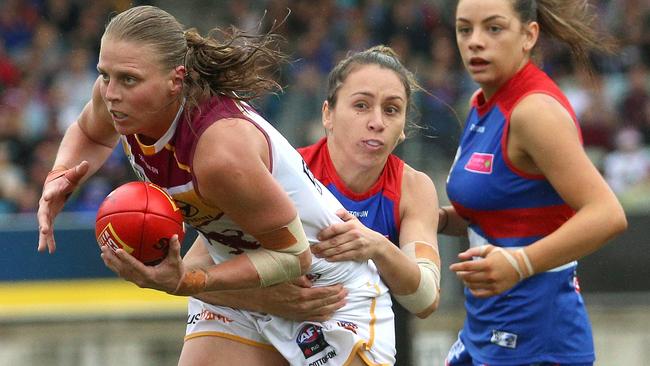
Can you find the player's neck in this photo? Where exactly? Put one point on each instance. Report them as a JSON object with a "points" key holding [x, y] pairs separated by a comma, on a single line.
{"points": [[356, 177]]}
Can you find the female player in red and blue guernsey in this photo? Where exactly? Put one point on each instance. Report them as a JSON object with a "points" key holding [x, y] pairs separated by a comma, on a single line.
{"points": [[524, 191]]}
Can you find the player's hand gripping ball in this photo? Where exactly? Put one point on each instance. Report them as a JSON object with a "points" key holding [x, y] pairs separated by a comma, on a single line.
{"points": [[141, 218]]}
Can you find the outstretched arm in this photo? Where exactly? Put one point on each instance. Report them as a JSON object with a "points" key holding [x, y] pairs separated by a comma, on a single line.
{"points": [[85, 147]]}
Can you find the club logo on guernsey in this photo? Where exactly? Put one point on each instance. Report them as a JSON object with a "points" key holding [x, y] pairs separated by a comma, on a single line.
{"points": [[504, 339], [479, 129], [480, 163]]}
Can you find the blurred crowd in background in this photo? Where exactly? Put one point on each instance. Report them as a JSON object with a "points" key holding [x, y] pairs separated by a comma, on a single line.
{"points": [[49, 50]]}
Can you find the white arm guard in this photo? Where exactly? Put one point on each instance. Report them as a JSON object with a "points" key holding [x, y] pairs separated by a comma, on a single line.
{"points": [[429, 287]]}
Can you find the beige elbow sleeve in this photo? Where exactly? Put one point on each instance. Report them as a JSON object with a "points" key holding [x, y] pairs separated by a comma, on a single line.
{"points": [[281, 263], [429, 287]]}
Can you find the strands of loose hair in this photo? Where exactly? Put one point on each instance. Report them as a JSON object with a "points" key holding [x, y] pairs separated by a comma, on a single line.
{"points": [[571, 22]]}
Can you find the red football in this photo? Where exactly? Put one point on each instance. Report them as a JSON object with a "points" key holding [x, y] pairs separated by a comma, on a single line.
{"points": [[139, 217]]}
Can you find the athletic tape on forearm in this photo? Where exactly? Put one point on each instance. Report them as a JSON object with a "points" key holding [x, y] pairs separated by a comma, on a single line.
{"points": [[192, 283], [282, 263], [429, 286]]}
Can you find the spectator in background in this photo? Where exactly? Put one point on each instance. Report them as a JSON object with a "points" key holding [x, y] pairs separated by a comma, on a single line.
{"points": [[11, 180], [598, 120], [305, 92], [64, 14], [38, 109], [18, 20], [73, 85], [9, 72], [628, 166], [44, 58], [443, 86], [634, 105]]}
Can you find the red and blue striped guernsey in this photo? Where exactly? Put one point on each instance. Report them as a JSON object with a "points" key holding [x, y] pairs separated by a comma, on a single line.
{"points": [[543, 318]]}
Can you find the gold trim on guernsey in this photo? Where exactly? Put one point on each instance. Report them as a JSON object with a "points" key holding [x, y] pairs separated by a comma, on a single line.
{"points": [[178, 163], [232, 337], [97, 298]]}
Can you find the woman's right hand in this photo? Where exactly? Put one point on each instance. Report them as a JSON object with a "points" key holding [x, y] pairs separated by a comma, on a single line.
{"points": [[298, 300], [165, 276], [58, 186]]}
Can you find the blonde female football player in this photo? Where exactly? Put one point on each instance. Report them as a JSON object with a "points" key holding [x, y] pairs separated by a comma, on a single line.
{"points": [[177, 102]]}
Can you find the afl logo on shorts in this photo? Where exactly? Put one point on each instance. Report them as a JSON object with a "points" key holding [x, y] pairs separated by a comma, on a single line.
{"points": [[311, 340]]}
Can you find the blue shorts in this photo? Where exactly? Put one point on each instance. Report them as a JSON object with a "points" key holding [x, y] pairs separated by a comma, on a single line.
{"points": [[459, 356]]}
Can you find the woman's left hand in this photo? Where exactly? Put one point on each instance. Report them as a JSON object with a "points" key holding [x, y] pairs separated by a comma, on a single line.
{"points": [[489, 274], [349, 240], [164, 276]]}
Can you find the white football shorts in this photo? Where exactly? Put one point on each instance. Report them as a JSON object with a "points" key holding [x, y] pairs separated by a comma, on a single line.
{"points": [[364, 326]]}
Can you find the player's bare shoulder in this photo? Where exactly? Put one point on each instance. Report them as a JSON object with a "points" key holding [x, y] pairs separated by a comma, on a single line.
{"points": [[417, 187], [231, 142], [540, 111], [415, 179]]}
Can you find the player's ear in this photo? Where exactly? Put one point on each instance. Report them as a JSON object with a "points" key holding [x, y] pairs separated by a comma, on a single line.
{"points": [[401, 138], [532, 34], [176, 82], [326, 117]]}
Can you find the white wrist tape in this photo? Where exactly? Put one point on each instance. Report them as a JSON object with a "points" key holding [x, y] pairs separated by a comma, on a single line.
{"points": [[512, 261], [529, 265], [429, 287], [279, 263], [514, 258]]}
